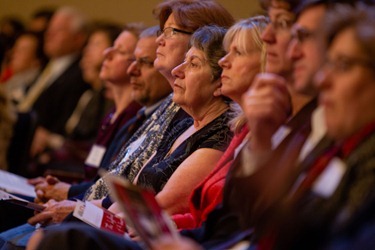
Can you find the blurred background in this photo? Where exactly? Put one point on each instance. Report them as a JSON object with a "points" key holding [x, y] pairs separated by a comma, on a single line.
{"points": [[115, 10]]}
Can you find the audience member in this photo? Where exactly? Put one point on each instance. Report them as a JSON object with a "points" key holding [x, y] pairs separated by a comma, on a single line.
{"points": [[10, 28], [40, 19], [27, 59], [60, 79]]}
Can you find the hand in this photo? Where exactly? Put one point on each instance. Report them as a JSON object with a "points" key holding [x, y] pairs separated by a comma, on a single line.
{"points": [[55, 212], [51, 188], [267, 106], [36, 181]]}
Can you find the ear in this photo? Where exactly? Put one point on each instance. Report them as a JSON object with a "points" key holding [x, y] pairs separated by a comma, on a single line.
{"points": [[217, 91]]}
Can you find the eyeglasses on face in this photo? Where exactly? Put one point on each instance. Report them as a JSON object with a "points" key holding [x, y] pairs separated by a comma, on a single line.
{"points": [[170, 31], [343, 64], [144, 62], [281, 24], [302, 34]]}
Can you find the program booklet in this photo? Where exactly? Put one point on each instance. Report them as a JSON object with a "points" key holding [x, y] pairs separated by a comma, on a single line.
{"points": [[16, 184], [99, 217], [4, 196], [142, 212]]}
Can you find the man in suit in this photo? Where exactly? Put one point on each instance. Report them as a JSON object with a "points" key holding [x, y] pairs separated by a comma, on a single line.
{"points": [[55, 93]]}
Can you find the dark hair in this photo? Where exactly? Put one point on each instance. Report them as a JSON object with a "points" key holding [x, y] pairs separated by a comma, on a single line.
{"points": [[39, 51], [192, 14], [209, 39], [286, 4], [360, 18], [46, 13], [305, 4], [111, 29]]}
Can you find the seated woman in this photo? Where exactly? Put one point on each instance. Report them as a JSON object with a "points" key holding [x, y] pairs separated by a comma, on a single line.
{"points": [[244, 59], [27, 59]]}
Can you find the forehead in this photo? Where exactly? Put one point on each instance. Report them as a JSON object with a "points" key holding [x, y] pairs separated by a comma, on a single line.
{"points": [[345, 43], [125, 39], [171, 21], [275, 12], [194, 52], [312, 17], [146, 47]]}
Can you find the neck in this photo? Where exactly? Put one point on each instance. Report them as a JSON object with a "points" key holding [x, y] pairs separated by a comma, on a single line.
{"points": [[208, 114], [299, 101], [122, 97]]}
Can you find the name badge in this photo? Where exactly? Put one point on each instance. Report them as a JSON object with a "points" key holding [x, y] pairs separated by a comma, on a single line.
{"points": [[95, 156], [328, 181]]}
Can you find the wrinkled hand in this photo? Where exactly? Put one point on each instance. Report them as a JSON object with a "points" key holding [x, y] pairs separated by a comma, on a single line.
{"points": [[180, 243], [267, 106], [55, 212], [51, 188]]}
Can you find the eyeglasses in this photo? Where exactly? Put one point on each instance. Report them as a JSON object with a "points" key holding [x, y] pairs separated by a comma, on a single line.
{"points": [[144, 61], [302, 34], [345, 63], [170, 31], [281, 24]]}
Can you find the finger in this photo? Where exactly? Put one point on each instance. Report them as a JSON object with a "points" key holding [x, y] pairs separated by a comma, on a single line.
{"points": [[51, 180], [36, 181], [42, 218]]}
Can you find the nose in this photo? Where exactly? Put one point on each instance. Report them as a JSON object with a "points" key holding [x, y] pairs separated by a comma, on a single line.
{"points": [[223, 62], [294, 49], [268, 34], [160, 39], [178, 71], [133, 69], [108, 52]]}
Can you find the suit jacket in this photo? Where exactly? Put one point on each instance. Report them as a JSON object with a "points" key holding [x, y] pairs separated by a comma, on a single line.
{"points": [[56, 103], [315, 219]]}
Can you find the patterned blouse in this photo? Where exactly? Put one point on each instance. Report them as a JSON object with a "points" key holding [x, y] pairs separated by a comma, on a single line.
{"points": [[135, 153]]}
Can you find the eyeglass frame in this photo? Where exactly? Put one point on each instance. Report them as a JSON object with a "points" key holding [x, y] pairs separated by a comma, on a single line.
{"points": [[301, 34], [143, 61], [173, 32], [347, 63], [281, 24]]}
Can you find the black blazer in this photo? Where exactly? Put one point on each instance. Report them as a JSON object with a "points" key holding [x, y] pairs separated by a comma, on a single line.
{"points": [[56, 103]]}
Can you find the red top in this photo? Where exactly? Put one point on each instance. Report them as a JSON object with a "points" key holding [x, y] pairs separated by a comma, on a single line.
{"points": [[209, 193]]}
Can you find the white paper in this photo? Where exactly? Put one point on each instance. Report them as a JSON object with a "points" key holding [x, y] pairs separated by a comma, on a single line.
{"points": [[16, 184]]}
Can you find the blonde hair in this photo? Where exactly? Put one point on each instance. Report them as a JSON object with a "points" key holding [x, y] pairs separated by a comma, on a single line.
{"points": [[247, 33]]}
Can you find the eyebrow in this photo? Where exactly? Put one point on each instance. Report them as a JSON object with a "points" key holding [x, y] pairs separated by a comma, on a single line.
{"points": [[196, 57]]}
